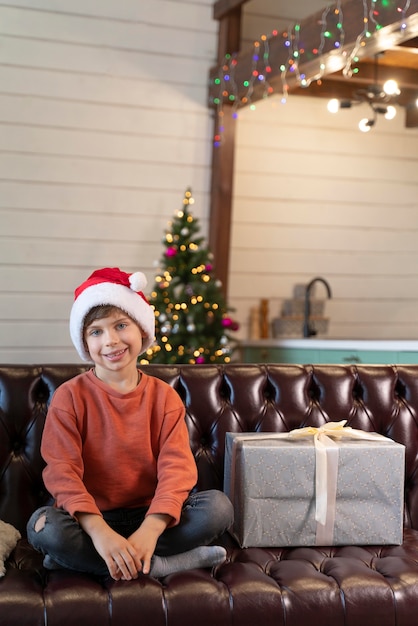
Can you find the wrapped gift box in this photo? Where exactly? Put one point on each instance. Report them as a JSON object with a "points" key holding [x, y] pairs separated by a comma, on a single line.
{"points": [[271, 481]]}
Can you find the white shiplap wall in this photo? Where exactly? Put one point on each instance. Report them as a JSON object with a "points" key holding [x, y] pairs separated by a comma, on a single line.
{"points": [[315, 196], [103, 125]]}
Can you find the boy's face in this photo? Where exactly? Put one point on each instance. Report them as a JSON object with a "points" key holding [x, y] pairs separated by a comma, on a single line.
{"points": [[113, 341]]}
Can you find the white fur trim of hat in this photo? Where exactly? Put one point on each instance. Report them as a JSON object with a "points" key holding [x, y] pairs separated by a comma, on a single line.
{"points": [[111, 286]]}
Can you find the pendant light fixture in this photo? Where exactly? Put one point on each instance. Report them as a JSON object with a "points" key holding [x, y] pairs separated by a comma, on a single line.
{"points": [[380, 99]]}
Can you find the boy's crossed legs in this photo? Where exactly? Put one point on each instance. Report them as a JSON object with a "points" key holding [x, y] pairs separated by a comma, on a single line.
{"points": [[205, 516]]}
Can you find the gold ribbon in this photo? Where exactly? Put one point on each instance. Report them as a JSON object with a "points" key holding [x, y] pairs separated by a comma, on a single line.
{"points": [[326, 470]]}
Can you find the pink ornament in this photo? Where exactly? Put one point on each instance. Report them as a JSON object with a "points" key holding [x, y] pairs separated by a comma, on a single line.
{"points": [[227, 322], [200, 359], [208, 267], [171, 251]]}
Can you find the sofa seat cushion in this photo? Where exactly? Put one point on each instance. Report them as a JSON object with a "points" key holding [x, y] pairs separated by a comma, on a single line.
{"points": [[326, 586], [329, 586]]}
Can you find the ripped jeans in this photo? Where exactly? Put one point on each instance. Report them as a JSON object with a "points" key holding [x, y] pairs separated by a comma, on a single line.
{"points": [[205, 516]]}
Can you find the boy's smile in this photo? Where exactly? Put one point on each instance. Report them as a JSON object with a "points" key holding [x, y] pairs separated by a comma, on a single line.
{"points": [[113, 356]]}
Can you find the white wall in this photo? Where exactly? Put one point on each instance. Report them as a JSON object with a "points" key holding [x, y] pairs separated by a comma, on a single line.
{"points": [[315, 196], [103, 125]]}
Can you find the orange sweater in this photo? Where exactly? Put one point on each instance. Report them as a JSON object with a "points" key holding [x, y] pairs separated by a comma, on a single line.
{"points": [[106, 450]]}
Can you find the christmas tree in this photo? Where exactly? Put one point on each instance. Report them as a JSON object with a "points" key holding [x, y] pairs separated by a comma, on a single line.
{"points": [[191, 316]]}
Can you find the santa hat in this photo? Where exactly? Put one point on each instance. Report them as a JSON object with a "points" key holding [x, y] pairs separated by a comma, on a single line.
{"points": [[111, 286]]}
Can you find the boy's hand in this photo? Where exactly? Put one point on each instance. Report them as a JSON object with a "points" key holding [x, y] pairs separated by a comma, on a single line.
{"points": [[119, 553], [144, 540]]}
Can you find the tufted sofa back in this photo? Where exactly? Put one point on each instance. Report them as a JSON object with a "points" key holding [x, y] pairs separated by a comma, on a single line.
{"points": [[218, 399]]}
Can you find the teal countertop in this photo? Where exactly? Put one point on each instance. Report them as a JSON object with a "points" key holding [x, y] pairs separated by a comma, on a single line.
{"points": [[403, 345]]}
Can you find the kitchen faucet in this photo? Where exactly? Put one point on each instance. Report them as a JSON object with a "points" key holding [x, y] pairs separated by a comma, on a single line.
{"points": [[308, 331]]}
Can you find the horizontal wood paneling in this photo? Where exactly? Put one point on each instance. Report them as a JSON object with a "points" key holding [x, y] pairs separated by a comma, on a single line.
{"points": [[125, 92], [42, 251], [352, 168], [31, 334], [83, 60], [324, 189], [171, 13], [317, 238], [101, 146], [49, 197], [44, 307], [336, 134], [115, 120], [139, 35], [315, 197], [76, 170], [116, 228], [386, 263], [104, 124], [347, 286], [322, 213], [39, 354]]}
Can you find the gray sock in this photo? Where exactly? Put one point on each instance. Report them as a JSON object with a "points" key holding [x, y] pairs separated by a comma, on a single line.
{"points": [[204, 556]]}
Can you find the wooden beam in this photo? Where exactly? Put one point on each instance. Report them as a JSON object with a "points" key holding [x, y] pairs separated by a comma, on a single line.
{"points": [[229, 34], [406, 78], [222, 172], [313, 65], [221, 198], [344, 91], [222, 8], [337, 86], [412, 116]]}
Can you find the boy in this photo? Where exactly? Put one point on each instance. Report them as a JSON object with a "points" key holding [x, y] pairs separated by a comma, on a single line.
{"points": [[117, 452]]}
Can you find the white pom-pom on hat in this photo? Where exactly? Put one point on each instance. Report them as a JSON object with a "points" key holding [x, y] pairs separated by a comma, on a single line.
{"points": [[138, 281], [112, 286]]}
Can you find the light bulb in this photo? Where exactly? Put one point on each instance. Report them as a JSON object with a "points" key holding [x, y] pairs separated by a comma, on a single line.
{"points": [[390, 112], [391, 88], [365, 125], [333, 105]]}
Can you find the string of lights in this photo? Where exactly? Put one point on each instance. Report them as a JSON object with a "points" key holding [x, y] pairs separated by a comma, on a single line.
{"points": [[332, 35], [365, 33]]}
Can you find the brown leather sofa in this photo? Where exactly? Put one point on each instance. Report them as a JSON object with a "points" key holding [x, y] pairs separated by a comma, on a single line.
{"points": [[330, 586]]}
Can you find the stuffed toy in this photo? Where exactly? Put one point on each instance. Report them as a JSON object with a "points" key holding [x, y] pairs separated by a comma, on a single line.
{"points": [[9, 536]]}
